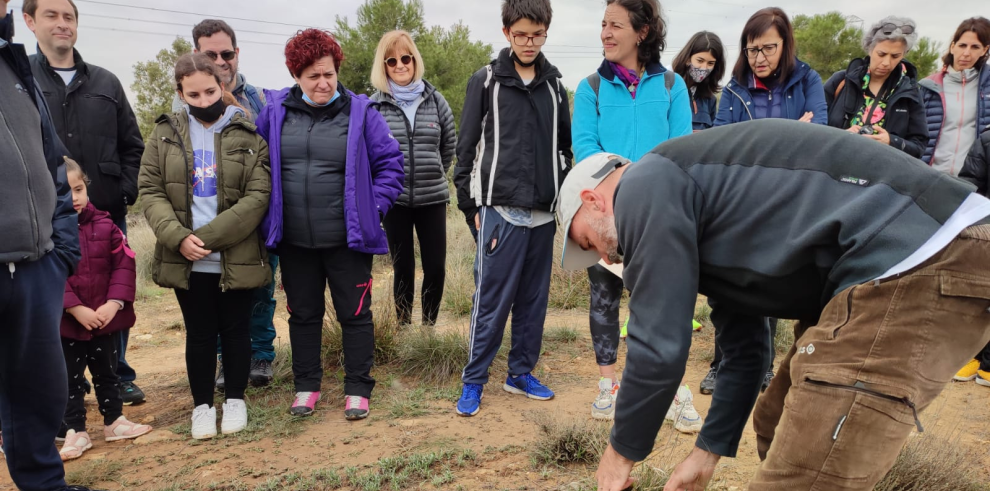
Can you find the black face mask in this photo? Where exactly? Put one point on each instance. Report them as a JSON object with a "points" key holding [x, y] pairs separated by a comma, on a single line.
{"points": [[210, 113], [520, 62]]}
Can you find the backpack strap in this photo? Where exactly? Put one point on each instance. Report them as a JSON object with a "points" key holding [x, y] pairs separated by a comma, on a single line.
{"points": [[595, 81], [838, 89]]}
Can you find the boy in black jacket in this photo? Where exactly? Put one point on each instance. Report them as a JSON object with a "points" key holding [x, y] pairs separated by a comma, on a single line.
{"points": [[977, 171], [513, 153]]}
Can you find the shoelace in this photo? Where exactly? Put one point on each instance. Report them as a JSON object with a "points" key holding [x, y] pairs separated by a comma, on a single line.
{"points": [[531, 382], [302, 398], [473, 392], [353, 402]]}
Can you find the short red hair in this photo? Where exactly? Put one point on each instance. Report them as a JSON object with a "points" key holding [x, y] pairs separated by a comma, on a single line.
{"points": [[308, 46]]}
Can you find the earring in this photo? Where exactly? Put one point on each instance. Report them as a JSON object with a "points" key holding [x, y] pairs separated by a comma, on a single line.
{"points": [[638, 42]]}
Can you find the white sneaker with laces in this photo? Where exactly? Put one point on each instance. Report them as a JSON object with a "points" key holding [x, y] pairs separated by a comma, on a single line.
{"points": [[234, 416], [204, 422], [604, 405], [686, 419]]}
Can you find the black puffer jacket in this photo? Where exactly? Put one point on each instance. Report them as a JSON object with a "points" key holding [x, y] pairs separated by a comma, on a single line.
{"points": [[977, 168], [97, 125], [314, 156], [434, 142], [905, 112]]}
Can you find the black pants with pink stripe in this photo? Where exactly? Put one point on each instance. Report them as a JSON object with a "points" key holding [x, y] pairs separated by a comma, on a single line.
{"points": [[306, 273]]}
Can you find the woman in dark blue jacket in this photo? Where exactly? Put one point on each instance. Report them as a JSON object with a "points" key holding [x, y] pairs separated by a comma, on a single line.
{"points": [[768, 80], [702, 64]]}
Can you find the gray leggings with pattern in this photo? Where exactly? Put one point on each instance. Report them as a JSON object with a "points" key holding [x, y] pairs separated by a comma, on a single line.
{"points": [[606, 293]]}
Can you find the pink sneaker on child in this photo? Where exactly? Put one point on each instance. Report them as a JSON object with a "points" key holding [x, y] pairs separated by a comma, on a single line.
{"points": [[305, 403], [75, 444], [356, 407], [122, 429]]}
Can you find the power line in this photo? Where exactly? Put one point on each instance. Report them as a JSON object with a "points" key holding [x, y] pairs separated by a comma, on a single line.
{"points": [[198, 14]]}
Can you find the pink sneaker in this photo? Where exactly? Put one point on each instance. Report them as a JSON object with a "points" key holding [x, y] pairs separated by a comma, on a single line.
{"points": [[75, 444], [356, 407], [122, 429], [305, 403]]}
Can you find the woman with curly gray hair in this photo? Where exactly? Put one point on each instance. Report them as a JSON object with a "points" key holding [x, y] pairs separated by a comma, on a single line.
{"points": [[878, 96]]}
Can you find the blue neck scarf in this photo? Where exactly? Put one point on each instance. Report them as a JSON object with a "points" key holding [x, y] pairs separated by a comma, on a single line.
{"points": [[408, 94]]}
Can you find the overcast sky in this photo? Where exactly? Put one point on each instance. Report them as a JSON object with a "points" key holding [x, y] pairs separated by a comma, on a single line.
{"points": [[118, 36]]}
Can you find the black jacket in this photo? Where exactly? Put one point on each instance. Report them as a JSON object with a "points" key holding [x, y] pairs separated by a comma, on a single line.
{"points": [[96, 123], [428, 146], [64, 226], [526, 165], [314, 157], [977, 167], [905, 111]]}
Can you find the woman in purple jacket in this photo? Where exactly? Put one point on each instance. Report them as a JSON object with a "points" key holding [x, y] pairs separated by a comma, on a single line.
{"points": [[336, 171]]}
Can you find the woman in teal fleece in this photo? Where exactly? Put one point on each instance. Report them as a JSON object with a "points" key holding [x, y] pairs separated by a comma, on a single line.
{"points": [[637, 104]]}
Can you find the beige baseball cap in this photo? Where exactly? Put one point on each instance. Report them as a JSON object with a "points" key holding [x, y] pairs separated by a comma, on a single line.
{"points": [[587, 174]]}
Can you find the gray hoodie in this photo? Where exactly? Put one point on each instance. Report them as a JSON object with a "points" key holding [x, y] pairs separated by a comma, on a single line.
{"points": [[962, 94], [204, 202]]}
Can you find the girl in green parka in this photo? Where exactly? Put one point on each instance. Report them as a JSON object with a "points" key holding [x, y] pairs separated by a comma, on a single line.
{"points": [[204, 186]]}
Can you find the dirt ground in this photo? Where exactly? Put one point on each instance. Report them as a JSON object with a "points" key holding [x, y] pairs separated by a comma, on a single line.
{"points": [[493, 450]]}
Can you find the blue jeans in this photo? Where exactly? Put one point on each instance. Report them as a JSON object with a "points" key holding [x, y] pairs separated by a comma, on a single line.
{"points": [[262, 327], [33, 380], [124, 371]]}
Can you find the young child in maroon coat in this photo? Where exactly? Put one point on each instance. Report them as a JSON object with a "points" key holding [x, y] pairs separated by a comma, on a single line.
{"points": [[99, 304]]}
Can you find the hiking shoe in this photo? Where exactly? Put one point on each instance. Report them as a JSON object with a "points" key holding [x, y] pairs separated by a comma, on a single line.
{"points": [[75, 444], [204, 422], [686, 419], [305, 403], [604, 405], [470, 402], [261, 373], [707, 385], [529, 386], [234, 416], [131, 393], [983, 378], [221, 382], [766, 380], [122, 429], [356, 407], [968, 372]]}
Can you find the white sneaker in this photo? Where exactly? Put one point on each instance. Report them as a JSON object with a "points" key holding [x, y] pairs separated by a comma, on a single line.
{"points": [[604, 405], [204, 422], [234, 416], [686, 419]]}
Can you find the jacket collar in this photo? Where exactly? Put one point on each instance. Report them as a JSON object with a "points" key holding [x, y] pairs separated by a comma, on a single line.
{"points": [[91, 214], [606, 72], [180, 120], [77, 60]]}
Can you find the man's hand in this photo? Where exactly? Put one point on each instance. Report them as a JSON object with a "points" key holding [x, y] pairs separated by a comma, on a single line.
{"points": [[613, 471], [192, 248], [854, 129], [107, 312], [694, 473], [86, 316]]}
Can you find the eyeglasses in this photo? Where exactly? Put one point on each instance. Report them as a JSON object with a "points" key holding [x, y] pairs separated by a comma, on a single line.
{"points": [[226, 55], [522, 40], [889, 29], [766, 50], [405, 59]]}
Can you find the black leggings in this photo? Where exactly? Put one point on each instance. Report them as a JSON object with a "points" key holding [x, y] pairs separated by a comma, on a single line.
{"points": [[717, 360], [606, 293], [100, 355], [431, 229], [208, 312]]}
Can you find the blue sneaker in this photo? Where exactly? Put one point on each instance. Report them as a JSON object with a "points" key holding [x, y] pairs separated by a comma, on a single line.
{"points": [[470, 402], [527, 385]]}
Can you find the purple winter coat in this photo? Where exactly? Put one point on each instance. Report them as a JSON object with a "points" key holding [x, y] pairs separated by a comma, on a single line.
{"points": [[105, 272], [373, 175]]}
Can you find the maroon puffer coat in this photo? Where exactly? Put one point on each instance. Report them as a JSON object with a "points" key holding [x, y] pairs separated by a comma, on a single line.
{"points": [[106, 272]]}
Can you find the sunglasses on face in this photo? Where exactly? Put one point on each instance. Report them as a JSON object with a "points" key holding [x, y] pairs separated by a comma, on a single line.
{"points": [[393, 61], [226, 55], [889, 29]]}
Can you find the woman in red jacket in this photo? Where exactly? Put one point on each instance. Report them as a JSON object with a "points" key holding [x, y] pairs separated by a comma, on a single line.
{"points": [[99, 304]]}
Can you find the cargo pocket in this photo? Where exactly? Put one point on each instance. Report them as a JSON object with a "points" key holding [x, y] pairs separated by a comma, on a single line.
{"points": [[841, 431], [956, 328]]}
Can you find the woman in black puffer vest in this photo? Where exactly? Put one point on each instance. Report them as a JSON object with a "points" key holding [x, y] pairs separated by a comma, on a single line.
{"points": [[423, 124]]}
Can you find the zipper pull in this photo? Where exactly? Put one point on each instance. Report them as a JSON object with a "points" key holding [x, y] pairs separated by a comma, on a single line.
{"points": [[11, 267], [917, 422]]}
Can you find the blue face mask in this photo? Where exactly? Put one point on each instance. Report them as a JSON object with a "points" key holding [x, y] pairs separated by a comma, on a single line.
{"points": [[311, 103]]}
